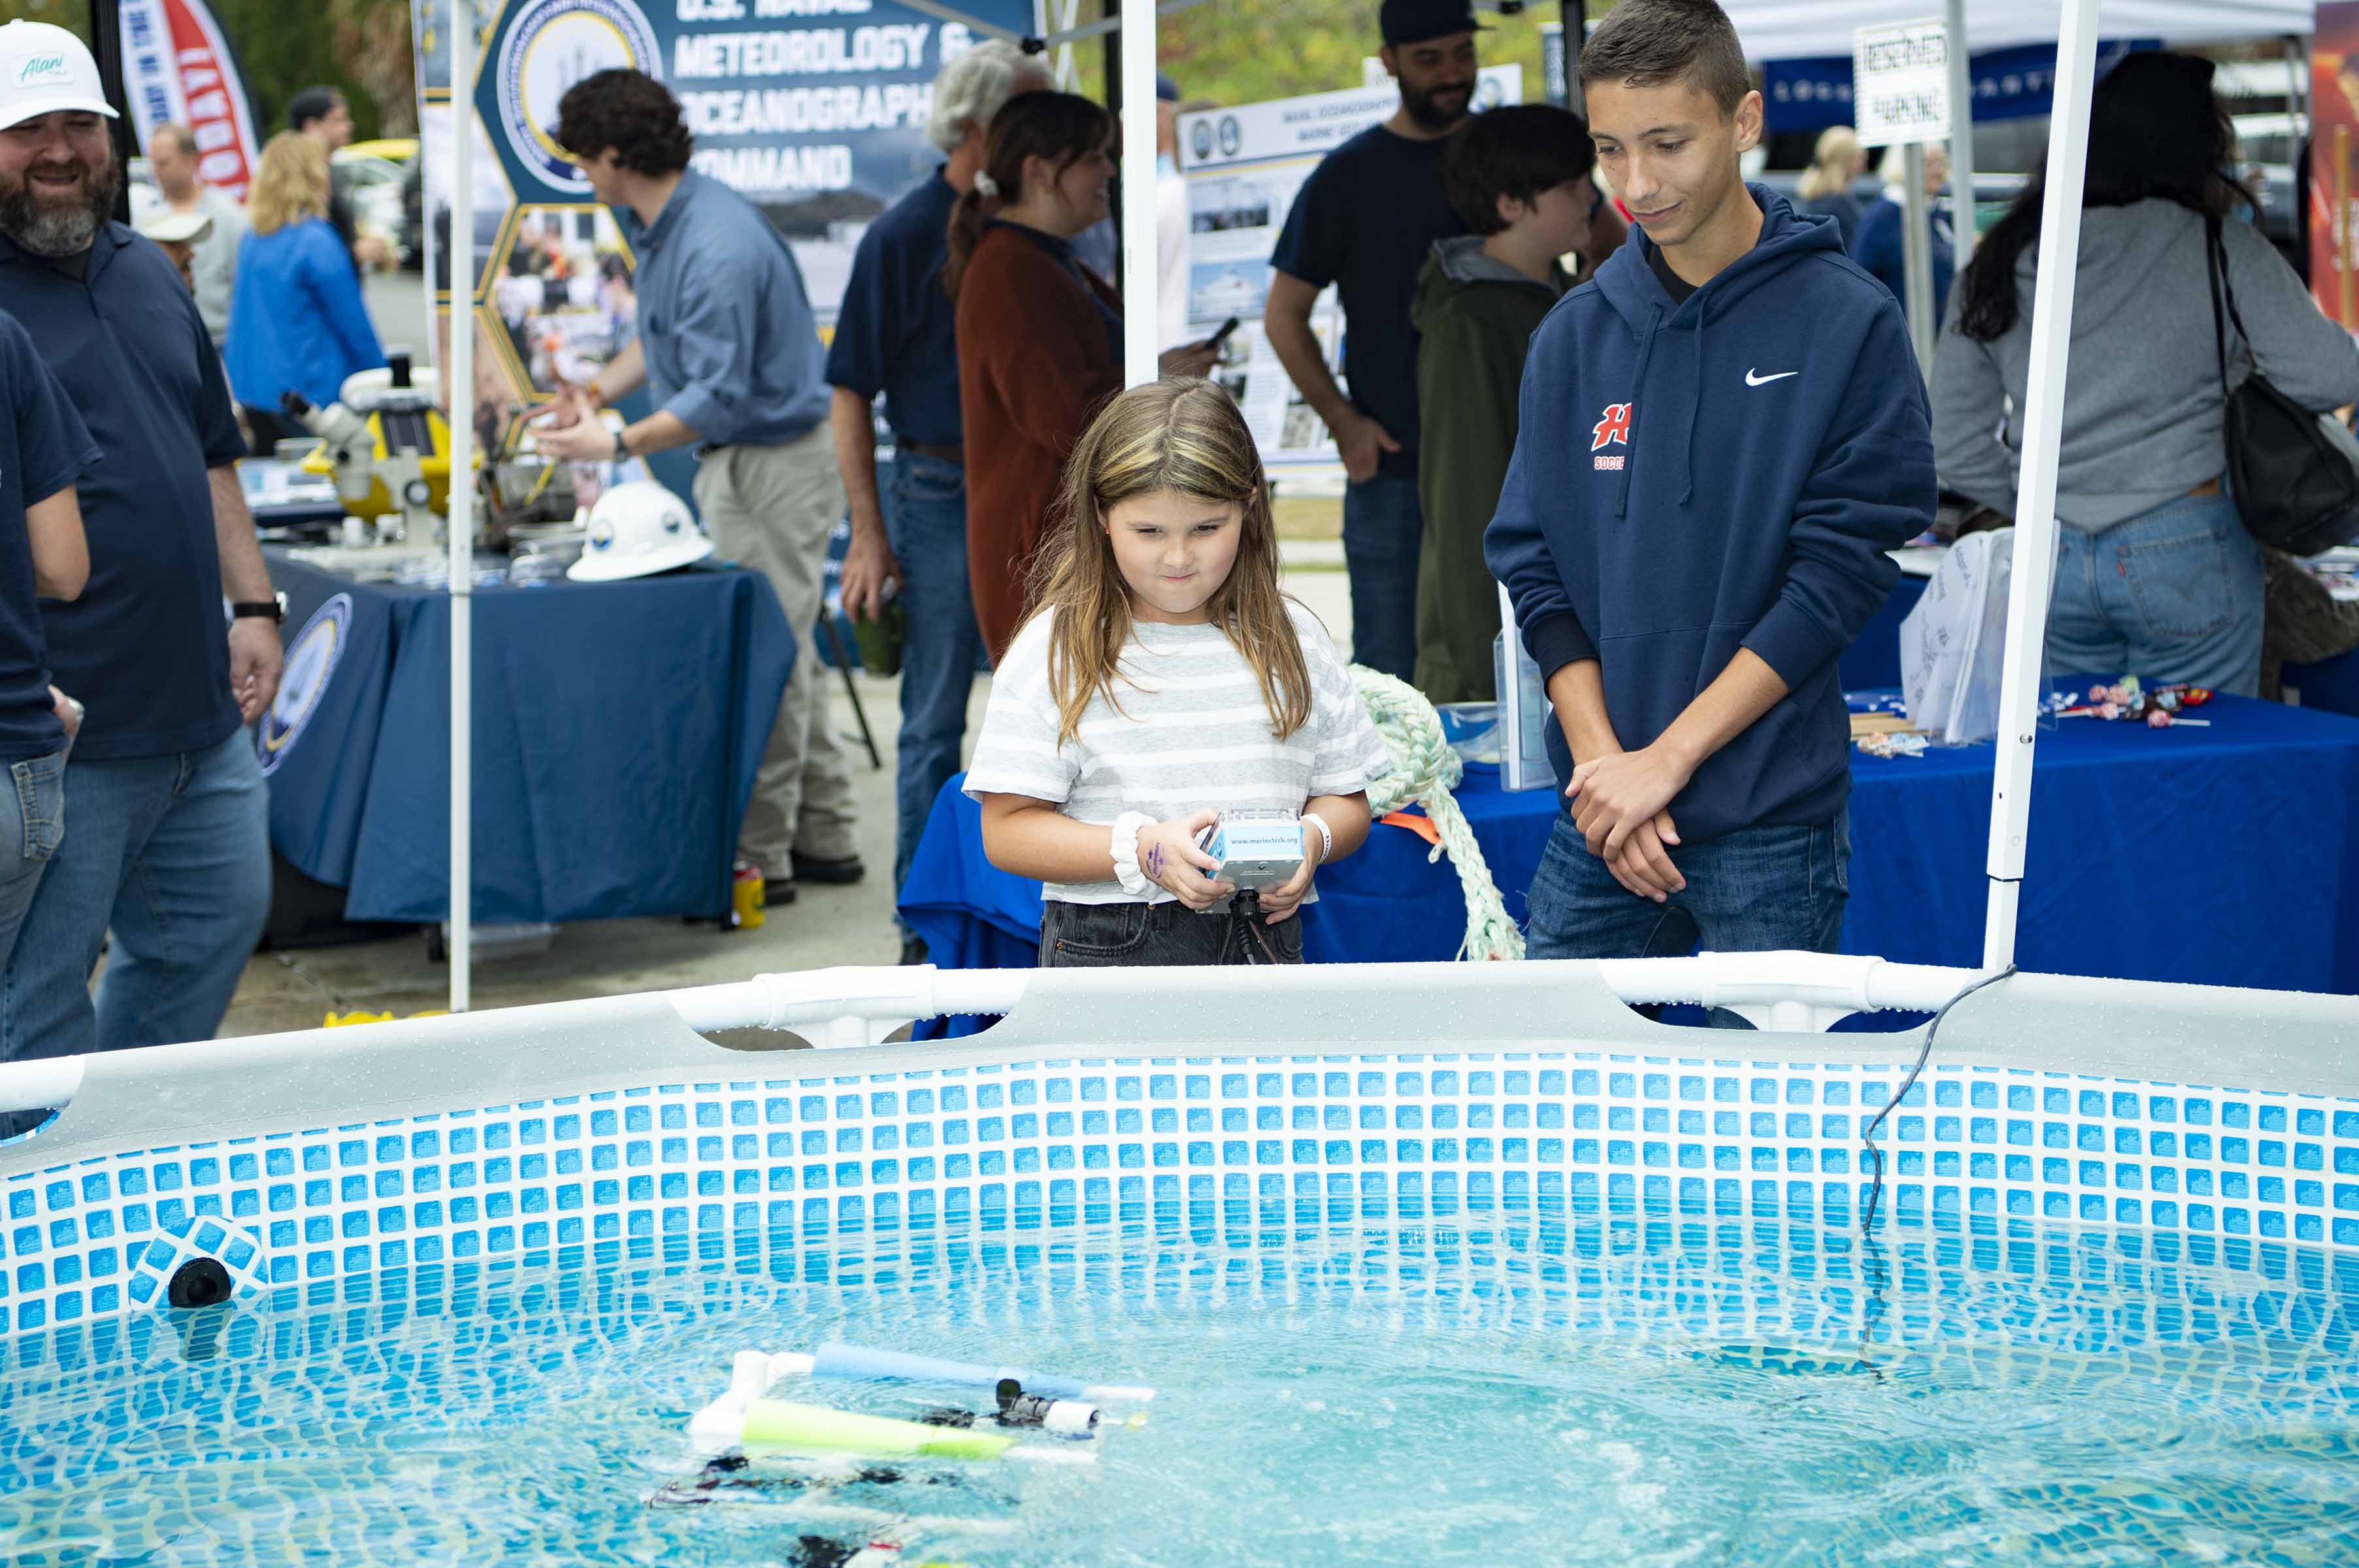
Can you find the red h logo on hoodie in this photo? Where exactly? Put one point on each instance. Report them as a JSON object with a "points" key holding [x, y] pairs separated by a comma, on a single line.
{"points": [[1614, 430]]}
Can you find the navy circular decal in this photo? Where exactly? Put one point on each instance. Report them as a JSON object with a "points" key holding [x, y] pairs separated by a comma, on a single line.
{"points": [[312, 660], [552, 45]]}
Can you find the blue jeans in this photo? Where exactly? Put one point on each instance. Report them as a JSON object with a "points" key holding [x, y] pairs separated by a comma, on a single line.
{"points": [[1384, 530], [172, 853], [1758, 890], [32, 821], [941, 648], [2173, 594]]}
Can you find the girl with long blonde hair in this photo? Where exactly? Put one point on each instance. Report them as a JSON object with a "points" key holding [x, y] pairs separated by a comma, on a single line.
{"points": [[1162, 678]]}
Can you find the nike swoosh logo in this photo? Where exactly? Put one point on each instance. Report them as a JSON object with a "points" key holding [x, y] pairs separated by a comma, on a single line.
{"points": [[1754, 378]]}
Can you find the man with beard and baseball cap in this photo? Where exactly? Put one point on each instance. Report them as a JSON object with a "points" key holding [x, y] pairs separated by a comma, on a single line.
{"points": [[168, 844], [1365, 221]]}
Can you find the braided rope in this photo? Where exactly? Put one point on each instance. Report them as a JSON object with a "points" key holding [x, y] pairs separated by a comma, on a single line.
{"points": [[1424, 771]]}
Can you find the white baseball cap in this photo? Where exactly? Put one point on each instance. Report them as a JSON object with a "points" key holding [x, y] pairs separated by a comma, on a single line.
{"points": [[45, 68], [154, 217]]}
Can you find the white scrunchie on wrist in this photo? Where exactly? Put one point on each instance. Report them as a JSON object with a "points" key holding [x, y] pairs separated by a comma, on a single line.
{"points": [[1126, 828], [984, 185]]}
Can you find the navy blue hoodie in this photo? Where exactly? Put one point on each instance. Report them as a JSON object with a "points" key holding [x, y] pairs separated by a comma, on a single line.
{"points": [[1725, 473]]}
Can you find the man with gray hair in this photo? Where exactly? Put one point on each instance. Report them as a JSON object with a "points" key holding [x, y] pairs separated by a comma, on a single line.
{"points": [[896, 335], [212, 260]]}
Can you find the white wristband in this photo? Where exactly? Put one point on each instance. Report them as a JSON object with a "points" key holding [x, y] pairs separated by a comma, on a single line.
{"points": [[1326, 836], [1126, 828]]}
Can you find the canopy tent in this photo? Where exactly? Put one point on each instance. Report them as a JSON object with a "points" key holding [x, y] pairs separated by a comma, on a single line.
{"points": [[1788, 29], [1772, 28]]}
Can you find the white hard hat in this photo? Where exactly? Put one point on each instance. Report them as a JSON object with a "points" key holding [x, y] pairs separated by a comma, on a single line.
{"points": [[636, 530], [45, 68]]}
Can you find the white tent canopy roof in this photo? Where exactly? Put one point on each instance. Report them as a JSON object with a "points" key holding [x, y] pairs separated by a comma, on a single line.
{"points": [[1788, 29]]}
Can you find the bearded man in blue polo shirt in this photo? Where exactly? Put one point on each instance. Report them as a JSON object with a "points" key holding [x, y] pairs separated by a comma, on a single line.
{"points": [[168, 841]]}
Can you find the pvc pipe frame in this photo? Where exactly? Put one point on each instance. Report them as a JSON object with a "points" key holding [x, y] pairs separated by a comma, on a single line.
{"points": [[842, 1009], [1805, 992]]}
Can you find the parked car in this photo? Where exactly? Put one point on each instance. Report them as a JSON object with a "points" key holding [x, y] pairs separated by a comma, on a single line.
{"points": [[375, 176]]}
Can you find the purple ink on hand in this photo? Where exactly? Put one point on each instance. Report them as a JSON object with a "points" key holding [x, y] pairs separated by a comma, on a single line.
{"points": [[1155, 862]]}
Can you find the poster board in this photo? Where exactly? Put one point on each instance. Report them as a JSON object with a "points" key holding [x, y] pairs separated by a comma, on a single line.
{"points": [[815, 112], [2333, 177], [1243, 168]]}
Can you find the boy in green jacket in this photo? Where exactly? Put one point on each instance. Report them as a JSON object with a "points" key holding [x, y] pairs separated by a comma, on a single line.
{"points": [[1519, 176]]}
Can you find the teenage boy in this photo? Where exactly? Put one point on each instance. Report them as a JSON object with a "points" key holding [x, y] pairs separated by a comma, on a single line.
{"points": [[1519, 178], [1721, 437], [1364, 221]]}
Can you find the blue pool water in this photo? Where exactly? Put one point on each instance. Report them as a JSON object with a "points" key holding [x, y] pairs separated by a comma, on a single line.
{"points": [[1589, 1387]]}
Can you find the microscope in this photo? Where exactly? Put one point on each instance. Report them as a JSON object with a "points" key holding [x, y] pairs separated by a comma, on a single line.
{"points": [[386, 444]]}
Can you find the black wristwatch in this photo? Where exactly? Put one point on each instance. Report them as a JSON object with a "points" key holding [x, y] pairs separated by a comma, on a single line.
{"points": [[274, 608]]}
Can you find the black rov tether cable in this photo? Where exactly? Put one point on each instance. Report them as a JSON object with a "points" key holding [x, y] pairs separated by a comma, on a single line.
{"points": [[1867, 1133]]}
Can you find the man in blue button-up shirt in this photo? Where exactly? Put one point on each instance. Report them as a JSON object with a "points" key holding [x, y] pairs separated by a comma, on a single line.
{"points": [[728, 348]]}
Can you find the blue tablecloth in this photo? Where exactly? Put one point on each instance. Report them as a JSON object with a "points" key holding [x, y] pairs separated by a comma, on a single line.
{"points": [[2226, 855], [617, 730]]}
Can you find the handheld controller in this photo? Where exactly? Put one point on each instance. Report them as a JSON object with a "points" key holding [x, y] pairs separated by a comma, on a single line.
{"points": [[1257, 849]]}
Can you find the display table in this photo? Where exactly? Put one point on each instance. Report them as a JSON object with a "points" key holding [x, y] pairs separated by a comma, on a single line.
{"points": [[2227, 854], [2330, 686], [617, 728], [1873, 661]]}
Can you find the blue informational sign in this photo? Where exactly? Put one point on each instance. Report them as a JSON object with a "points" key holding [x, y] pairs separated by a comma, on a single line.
{"points": [[2008, 84], [816, 110]]}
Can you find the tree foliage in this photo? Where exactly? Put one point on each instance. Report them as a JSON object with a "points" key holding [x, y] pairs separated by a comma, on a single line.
{"points": [[1243, 52], [361, 47]]}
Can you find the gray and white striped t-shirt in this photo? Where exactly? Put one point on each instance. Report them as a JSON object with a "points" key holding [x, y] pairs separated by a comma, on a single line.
{"points": [[1193, 731]]}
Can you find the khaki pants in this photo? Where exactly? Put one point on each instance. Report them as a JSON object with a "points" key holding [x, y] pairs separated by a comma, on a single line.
{"points": [[770, 509]]}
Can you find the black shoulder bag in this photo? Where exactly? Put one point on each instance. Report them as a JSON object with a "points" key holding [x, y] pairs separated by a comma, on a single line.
{"points": [[2294, 484]]}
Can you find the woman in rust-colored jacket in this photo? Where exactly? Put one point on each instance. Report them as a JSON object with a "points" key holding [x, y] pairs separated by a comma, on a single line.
{"points": [[1040, 335]]}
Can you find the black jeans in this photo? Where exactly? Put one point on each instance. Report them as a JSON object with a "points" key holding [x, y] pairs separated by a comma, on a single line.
{"points": [[1111, 935]]}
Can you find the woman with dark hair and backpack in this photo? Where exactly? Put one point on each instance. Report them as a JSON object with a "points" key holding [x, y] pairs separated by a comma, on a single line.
{"points": [[2155, 575], [1040, 335]]}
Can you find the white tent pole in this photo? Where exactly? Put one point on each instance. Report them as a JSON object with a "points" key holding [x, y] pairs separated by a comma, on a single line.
{"points": [[1962, 136], [1139, 347], [1916, 255], [462, 509], [2035, 497]]}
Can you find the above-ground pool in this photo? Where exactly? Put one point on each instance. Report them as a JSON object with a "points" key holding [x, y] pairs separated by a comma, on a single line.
{"points": [[1447, 1266]]}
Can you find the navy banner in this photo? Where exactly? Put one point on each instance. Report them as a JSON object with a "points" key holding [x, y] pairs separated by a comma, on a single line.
{"points": [[814, 109], [2008, 84]]}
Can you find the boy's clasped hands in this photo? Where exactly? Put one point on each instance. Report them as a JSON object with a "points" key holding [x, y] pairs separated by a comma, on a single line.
{"points": [[1620, 803]]}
